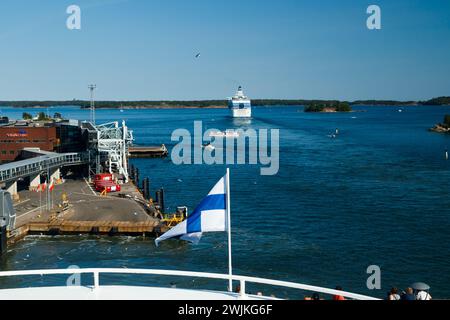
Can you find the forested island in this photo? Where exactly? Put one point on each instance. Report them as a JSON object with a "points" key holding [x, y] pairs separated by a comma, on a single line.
{"points": [[441, 101], [315, 104], [336, 106]]}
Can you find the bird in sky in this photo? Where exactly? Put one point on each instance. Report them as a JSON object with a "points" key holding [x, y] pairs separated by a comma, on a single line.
{"points": [[197, 55]]}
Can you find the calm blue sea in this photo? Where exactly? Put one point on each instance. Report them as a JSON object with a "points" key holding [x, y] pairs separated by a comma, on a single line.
{"points": [[378, 194]]}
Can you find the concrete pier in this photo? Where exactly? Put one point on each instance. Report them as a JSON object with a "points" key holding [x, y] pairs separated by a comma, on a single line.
{"points": [[148, 152], [73, 206], [78, 209]]}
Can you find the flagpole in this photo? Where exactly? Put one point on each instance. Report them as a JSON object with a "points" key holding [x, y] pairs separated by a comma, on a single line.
{"points": [[51, 198], [46, 188], [230, 261]]}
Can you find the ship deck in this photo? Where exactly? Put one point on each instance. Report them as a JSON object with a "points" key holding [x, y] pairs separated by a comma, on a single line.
{"points": [[119, 293]]}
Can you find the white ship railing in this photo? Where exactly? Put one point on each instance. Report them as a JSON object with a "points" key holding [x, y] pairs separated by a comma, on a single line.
{"points": [[243, 280]]}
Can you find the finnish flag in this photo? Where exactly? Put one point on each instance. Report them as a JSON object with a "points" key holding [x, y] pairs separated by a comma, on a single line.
{"points": [[209, 216]]}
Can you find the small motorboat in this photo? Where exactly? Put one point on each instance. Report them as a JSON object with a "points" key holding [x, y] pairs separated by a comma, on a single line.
{"points": [[225, 134], [209, 146]]}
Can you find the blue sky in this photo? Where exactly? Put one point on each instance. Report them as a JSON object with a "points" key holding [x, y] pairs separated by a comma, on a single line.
{"points": [[144, 49]]}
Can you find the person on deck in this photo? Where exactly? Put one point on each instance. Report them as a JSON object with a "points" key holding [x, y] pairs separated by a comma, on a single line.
{"points": [[393, 295], [423, 295], [338, 297], [408, 295]]}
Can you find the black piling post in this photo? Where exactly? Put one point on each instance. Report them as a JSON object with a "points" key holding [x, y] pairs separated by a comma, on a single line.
{"points": [[162, 200], [136, 177], [158, 197], [147, 184], [144, 188], [132, 172], [113, 232], [3, 240]]}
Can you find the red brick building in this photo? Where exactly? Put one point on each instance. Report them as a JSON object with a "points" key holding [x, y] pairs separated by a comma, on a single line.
{"points": [[13, 138]]}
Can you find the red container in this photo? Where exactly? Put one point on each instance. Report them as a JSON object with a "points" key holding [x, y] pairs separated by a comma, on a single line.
{"points": [[110, 186], [104, 177]]}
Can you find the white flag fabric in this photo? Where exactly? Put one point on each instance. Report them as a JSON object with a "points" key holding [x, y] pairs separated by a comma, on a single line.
{"points": [[209, 216]]}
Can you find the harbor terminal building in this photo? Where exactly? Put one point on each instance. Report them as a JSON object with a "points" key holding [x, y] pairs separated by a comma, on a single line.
{"points": [[52, 136]]}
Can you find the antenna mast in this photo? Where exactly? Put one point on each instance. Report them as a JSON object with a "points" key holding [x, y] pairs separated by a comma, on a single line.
{"points": [[92, 87]]}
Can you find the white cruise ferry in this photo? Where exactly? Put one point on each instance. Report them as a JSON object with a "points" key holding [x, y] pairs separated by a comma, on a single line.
{"points": [[240, 105]]}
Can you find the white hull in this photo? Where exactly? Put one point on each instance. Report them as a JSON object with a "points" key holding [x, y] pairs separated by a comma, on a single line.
{"points": [[240, 105], [241, 113], [120, 293], [226, 134]]}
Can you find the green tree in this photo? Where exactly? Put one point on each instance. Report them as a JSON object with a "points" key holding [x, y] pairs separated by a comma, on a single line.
{"points": [[343, 107], [42, 116], [27, 116], [440, 101], [314, 107]]}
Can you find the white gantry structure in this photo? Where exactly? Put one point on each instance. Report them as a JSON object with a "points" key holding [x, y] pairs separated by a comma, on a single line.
{"points": [[113, 144]]}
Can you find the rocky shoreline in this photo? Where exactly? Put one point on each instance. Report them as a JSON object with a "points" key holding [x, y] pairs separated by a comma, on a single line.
{"points": [[440, 128]]}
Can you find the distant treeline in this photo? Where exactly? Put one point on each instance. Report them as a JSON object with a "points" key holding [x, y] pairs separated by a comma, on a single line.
{"points": [[211, 103], [441, 101], [114, 104], [386, 103]]}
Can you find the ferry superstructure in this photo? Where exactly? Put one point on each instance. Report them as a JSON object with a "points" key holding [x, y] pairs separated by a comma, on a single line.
{"points": [[240, 105]]}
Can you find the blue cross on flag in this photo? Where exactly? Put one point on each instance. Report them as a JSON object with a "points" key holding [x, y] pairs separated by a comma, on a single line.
{"points": [[209, 216]]}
